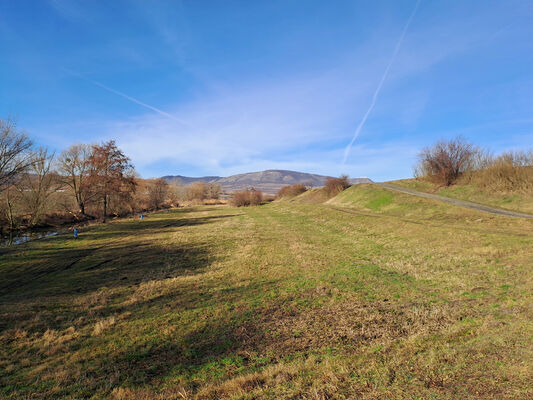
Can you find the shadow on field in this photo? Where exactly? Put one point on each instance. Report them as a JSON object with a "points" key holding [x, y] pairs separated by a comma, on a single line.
{"points": [[60, 267], [147, 227], [210, 341], [62, 286]]}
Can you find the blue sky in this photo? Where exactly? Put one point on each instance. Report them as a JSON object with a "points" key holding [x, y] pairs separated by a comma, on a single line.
{"points": [[223, 87]]}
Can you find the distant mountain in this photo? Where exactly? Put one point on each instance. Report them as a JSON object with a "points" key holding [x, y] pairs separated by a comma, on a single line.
{"points": [[363, 179], [185, 180], [269, 181]]}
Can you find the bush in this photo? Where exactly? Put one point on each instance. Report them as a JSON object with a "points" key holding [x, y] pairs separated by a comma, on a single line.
{"points": [[202, 191], [291, 190], [446, 161], [511, 171], [458, 161], [334, 186], [250, 197]]}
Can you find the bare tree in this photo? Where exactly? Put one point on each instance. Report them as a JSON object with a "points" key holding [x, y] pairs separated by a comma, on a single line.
{"points": [[196, 191], [445, 161], [37, 184], [13, 204], [73, 165], [14, 157], [158, 192], [201, 191], [213, 190], [175, 193]]}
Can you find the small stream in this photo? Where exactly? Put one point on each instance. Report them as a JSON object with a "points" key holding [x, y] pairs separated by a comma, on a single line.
{"points": [[15, 238]]}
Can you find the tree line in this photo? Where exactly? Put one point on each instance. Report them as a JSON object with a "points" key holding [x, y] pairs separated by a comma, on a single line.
{"points": [[85, 181]]}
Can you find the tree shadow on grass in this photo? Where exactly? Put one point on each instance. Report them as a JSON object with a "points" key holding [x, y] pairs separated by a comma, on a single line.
{"points": [[63, 266], [145, 227], [136, 354], [112, 230], [47, 290], [210, 346], [80, 273]]}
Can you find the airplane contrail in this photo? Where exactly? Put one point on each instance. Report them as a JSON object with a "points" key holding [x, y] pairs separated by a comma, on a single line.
{"points": [[132, 99], [380, 85]]}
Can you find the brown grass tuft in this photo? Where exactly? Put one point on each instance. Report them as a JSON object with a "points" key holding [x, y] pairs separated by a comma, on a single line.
{"points": [[145, 394], [103, 325]]}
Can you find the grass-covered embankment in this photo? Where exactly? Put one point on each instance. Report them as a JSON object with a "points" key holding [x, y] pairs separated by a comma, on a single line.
{"points": [[510, 200], [365, 295]]}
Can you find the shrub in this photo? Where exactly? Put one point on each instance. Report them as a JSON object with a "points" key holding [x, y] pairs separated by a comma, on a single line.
{"points": [[445, 161], [458, 161], [240, 199], [334, 186], [250, 197], [291, 190], [256, 197], [201, 191], [511, 171]]}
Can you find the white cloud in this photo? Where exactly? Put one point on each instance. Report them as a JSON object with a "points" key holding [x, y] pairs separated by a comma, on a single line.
{"points": [[303, 120], [238, 125]]}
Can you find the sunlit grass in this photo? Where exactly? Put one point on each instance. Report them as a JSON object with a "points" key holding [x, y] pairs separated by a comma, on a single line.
{"points": [[373, 294], [514, 201]]}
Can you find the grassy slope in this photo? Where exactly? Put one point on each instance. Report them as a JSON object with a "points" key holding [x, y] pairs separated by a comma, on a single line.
{"points": [[372, 198], [511, 201], [380, 297], [311, 196]]}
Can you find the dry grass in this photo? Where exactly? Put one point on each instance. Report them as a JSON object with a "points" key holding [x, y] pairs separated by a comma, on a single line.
{"points": [[311, 196], [103, 325], [503, 176], [379, 297], [487, 191]]}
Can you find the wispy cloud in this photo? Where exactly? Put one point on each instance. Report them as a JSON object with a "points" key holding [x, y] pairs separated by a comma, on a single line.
{"points": [[125, 96], [290, 124], [226, 121], [380, 85]]}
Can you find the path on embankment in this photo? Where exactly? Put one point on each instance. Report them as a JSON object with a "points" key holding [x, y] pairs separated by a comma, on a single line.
{"points": [[457, 202]]}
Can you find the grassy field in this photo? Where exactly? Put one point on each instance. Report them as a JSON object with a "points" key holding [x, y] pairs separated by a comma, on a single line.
{"points": [[514, 201], [370, 295]]}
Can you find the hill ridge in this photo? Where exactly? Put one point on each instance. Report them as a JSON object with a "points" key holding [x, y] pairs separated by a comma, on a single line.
{"points": [[269, 180]]}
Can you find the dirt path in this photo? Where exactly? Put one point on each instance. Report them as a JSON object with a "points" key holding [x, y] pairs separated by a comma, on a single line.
{"points": [[457, 202]]}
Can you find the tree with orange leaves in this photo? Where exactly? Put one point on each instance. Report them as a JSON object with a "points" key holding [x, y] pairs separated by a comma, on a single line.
{"points": [[110, 174]]}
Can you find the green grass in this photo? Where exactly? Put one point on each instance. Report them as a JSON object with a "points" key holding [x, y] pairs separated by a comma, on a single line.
{"points": [[375, 200], [373, 294], [366, 196], [514, 201], [311, 196]]}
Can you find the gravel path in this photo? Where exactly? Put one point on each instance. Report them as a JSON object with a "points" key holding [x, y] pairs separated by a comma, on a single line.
{"points": [[460, 203]]}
